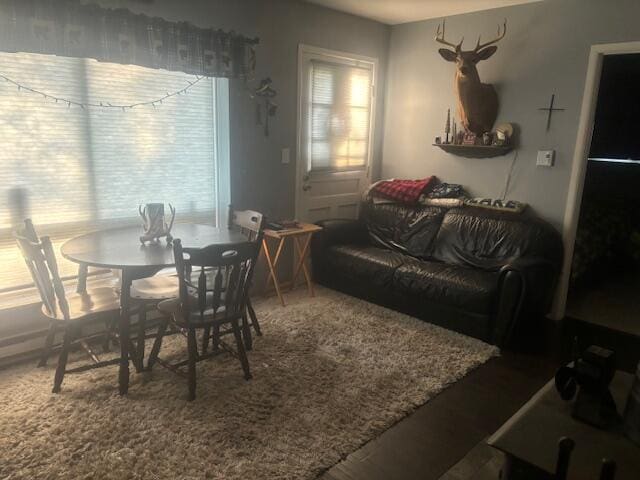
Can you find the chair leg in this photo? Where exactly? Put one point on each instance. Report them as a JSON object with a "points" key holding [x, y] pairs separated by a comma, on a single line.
{"points": [[62, 360], [142, 331], [215, 338], [155, 349], [110, 325], [48, 344], [193, 357], [242, 355], [254, 318], [106, 340], [205, 339], [246, 332]]}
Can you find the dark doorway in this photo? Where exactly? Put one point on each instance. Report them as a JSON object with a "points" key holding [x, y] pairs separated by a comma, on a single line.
{"points": [[605, 276]]}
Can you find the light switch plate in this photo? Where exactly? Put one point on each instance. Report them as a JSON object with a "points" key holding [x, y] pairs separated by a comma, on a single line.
{"points": [[545, 158], [285, 156]]}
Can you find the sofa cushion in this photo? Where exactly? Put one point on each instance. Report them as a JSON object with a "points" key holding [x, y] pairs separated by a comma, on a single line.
{"points": [[364, 263], [409, 229], [487, 239], [451, 285]]}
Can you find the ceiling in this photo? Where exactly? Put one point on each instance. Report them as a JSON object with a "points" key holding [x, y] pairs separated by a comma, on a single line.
{"points": [[393, 12]]}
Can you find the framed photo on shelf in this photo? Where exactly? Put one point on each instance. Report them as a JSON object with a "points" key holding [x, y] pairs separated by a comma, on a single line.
{"points": [[469, 138]]}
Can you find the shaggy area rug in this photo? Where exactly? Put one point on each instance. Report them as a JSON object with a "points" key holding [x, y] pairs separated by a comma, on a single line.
{"points": [[329, 374]]}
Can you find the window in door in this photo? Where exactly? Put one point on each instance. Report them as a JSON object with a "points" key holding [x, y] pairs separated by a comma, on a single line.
{"points": [[337, 109]]}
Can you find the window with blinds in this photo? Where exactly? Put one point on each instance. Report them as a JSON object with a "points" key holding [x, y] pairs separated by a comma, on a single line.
{"points": [[72, 169], [339, 115]]}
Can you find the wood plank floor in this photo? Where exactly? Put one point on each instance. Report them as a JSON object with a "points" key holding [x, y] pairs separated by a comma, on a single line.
{"points": [[441, 433]]}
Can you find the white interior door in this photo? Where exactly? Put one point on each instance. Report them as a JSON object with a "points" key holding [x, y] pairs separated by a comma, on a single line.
{"points": [[331, 195], [335, 123]]}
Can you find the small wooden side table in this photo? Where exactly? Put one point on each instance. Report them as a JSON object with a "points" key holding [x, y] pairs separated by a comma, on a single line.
{"points": [[301, 238]]}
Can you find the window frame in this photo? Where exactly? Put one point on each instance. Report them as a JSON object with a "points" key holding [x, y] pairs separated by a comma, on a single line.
{"points": [[307, 54], [223, 149], [9, 295]]}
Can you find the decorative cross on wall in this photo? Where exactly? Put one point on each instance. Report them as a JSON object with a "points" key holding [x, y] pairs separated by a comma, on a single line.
{"points": [[550, 109]]}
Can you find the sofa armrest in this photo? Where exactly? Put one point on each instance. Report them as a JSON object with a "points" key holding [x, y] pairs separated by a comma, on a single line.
{"points": [[334, 232], [340, 231], [538, 277], [527, 264], [526, 287]]}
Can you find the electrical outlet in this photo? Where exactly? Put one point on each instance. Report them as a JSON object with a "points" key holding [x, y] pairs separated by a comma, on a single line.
{"points": [[286, 158], [545, 158]]}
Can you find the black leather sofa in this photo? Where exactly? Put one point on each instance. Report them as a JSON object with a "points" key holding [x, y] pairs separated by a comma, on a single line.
{"points": [[480, 272]]}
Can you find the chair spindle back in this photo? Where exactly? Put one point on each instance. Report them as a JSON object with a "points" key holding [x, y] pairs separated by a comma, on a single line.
{"points": [[249, 222], [41, 262], [223, 294]]}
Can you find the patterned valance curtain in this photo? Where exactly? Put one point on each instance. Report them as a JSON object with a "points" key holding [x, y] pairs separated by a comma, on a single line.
{"points": [[69, 28]]}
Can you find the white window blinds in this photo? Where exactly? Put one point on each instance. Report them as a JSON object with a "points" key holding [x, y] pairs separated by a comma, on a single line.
{"points": [[339, 117], [81, 168]]}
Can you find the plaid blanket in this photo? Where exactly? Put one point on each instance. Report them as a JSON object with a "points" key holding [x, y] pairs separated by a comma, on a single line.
{"points": [[404, 191]]}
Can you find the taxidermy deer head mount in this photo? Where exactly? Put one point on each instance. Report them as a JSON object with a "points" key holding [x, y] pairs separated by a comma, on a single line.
{"points": [[477, 101]]}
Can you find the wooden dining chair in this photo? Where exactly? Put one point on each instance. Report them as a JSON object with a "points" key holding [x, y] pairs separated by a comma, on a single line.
{"points": [[66, 313], [28, 231], [213, 302], [146, 294], [251, 224]]}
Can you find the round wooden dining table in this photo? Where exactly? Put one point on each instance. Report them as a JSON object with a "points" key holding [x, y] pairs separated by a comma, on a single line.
{"points": [[121, 249]]}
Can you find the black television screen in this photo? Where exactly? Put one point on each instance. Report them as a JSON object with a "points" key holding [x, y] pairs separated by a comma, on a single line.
{"points": [[616, 133]]}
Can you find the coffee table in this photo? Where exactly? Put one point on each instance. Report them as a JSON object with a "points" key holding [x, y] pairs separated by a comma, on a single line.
{"points": [[530, 438]]}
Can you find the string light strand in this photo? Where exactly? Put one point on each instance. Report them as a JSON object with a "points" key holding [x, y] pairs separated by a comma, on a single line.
{"points": [[82, 105]]}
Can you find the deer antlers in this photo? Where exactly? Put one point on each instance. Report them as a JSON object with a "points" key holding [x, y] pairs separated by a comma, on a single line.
{"points": [[479, 46], [440, 38], [500, 36]]}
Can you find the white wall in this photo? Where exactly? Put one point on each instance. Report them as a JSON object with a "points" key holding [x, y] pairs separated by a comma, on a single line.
{"points": [[545, 51]]}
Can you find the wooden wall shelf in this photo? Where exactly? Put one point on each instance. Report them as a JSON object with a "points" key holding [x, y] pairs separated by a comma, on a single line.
{"points": [[475, 151]]}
